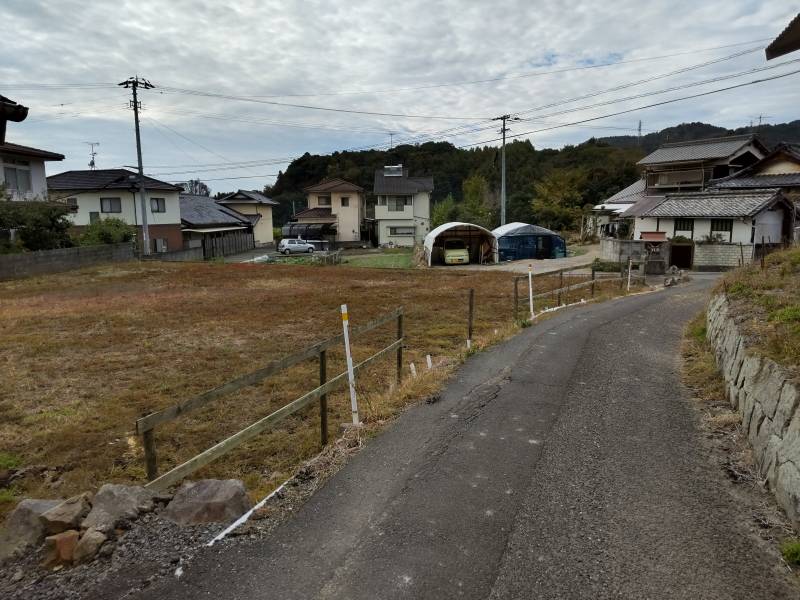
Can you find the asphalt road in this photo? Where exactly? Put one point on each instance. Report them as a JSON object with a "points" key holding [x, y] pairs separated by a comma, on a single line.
{"points": [[565, 463]]}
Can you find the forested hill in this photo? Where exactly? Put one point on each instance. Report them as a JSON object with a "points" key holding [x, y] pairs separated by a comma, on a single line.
{"points": [[572, 177], [769, 134]]}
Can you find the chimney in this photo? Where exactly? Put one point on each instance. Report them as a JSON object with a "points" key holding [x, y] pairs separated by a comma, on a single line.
{"points": [[10, 111]]}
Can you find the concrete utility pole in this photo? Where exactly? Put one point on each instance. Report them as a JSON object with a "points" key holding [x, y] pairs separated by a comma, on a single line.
{"points": [[503, 130], [133, 83]]}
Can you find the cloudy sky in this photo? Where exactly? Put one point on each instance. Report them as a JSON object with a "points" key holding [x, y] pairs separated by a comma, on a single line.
{"points": [[432, 69]]}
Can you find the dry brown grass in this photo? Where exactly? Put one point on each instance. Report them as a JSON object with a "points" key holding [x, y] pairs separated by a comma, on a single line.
{"points": [[83, 354]]}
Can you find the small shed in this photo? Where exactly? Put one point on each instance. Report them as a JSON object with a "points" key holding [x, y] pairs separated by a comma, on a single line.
{"points": [[482, 245], [518, 241]]}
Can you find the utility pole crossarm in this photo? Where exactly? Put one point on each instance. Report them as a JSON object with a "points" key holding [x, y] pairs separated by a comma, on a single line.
{"points": [[134, 83]]}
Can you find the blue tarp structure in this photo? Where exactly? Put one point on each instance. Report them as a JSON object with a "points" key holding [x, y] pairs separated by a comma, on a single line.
{"points": [[518, 241]]}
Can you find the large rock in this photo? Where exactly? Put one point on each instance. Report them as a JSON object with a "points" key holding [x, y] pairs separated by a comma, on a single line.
{"points": [[208, 501], [66, 515], [114, 503], [61, 548], [23, 528], [88, 545]]}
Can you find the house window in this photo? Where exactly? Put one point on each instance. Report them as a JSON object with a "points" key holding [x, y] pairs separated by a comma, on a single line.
{"points": [[381, 200], [722, 228], [17, 179], [324, 200], [401, 231], [684, 225], [398, 203], [72, 205], [110, 205], [345, 201], [158, 205]]}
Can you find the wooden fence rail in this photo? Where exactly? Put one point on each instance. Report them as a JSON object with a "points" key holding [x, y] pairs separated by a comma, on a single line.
{"points": [[145, 426]]}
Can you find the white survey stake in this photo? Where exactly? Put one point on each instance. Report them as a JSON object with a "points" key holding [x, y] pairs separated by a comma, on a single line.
{"points": [[350, 374]]}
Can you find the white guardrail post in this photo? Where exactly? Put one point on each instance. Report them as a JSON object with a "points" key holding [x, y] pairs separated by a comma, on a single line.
{"points": [[530, 289], [350, 374]]}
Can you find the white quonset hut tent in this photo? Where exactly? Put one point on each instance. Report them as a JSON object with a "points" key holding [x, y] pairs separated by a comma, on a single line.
{"points": [[481, 243]]}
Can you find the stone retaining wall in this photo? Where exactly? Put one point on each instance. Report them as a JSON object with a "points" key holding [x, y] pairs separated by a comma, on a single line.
{"points": [[767, 398], [26, 264]]}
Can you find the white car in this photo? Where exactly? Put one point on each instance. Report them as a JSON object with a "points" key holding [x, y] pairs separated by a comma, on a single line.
{"points": [[290, 246]]}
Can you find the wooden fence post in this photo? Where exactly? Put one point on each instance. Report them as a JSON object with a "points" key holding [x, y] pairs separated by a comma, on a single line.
{"points": [[150, 458], [323, 399], [763, 253], [399, 348], [470, 316], [593, 278], [560, 285]]}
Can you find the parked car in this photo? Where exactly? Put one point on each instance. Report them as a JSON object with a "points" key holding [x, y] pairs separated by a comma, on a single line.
{"points": [[291, 246], [456, 252]]}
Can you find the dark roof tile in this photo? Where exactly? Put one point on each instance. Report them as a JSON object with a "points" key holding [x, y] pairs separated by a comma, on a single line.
{"points": [[105, 179]]}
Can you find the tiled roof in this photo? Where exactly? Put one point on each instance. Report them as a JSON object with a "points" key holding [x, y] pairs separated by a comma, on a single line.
{"points": [[714, 204], [749, 177], [787, 41], [709, 149], [10, 148], [314, 213], [645, 203], [202, 211], [105, 179], [633, 193], [760, 181], [401, 185], [246, 197], [333, 185]]}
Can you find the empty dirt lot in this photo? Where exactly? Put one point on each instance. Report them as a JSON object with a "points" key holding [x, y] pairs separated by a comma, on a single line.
{"points": [[83, 354]]}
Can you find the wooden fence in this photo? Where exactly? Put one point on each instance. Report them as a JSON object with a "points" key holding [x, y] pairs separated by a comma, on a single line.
{"points": [[146, 425], [565, 282]]}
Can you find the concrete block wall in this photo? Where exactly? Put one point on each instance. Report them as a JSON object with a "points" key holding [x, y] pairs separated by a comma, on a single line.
{"points": [[721, 255], [767, 398], [614, 250], [27, 264]]}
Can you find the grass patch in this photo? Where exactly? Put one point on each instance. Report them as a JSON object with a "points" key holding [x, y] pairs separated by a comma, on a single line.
{"points": [[790, 550], [700, 368], [769, 301], [394, 258], [9, 461]]}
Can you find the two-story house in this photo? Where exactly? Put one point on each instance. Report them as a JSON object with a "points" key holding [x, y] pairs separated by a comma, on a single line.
{"points": [[105, 193], [336, 209], [257, 208], [403, 206], [22, 169], [678, 168]]}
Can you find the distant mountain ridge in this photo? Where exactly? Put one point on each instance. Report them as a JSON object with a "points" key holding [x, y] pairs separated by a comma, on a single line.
{"points": [[770, 134]]}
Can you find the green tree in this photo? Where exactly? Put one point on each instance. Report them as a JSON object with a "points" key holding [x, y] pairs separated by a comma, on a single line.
{"points": [[39, 225], [476, 202], [107, 231], [558, 198], [444, 211]]}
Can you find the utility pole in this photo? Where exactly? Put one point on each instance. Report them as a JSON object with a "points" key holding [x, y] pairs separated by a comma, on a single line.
{"points": [[134, 83], [503, 130], [640, 133]]}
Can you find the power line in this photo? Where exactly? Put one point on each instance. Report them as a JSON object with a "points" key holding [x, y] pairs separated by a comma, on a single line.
{"points": [[514, 75], [630, 110], [662, 91], [320, 108]]}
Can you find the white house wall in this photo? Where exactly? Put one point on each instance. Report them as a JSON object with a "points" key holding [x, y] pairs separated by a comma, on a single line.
{"points": [[89, 202], [417, 215], [38, 176], [742, 229]]}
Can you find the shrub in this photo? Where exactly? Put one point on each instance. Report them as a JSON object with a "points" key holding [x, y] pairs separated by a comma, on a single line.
{"points": [[605, 266], [107, 231], [39, 225]]}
